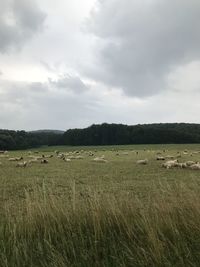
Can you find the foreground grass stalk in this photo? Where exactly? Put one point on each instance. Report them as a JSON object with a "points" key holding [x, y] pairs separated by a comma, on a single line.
{"points": [[161, 231]]}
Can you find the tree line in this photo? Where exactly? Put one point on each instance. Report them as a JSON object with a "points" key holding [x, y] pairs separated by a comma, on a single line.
{"points": [[104, 134]]}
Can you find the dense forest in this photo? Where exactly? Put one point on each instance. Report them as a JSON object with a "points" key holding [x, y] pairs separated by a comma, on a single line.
{"points": [[14, 140], [104, 134]]}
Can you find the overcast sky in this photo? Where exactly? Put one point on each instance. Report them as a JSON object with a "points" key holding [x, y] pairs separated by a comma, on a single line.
{"points": [[67, 64]]}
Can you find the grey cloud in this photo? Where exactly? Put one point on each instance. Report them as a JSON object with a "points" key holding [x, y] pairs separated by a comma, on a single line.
{"points": [[141, 42], [35, 105], [19, 21], [73, 83]]}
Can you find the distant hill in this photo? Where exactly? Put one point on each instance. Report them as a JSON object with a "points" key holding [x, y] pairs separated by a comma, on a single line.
{"points": [[47, 131]]}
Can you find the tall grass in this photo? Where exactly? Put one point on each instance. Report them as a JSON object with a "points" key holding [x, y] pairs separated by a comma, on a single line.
{"points": [[162, 230]]}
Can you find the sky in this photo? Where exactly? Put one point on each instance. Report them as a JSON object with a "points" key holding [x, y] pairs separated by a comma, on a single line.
{"points": [[69, 64]]}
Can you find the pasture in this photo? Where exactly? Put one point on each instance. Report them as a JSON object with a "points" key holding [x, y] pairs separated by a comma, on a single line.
{"points": [[86, 213]]}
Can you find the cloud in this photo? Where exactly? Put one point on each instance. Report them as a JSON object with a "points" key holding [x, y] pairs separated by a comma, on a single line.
{"points": [[19, 21], [140, 43], [68, 82], [41, 105]]}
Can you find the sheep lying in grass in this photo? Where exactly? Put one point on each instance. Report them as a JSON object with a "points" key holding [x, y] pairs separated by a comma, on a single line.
{"points": [[182, 165], [66, 159], [195, 166], [22, 164], [170, 163], [142, 161], [100, 159], [79, 157], [190, 163], [15, 159]]}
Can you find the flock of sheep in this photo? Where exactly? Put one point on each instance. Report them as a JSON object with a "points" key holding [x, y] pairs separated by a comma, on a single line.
{"points": [[169, 161], [173, 161]]}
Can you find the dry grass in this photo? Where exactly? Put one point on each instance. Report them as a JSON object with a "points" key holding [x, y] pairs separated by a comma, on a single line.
{"points": [[91, 215]]}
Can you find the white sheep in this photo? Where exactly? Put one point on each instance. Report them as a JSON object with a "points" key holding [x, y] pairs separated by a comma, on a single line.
{"points": [[195, 166], [22, 164], [170, 163], [100, 159], [142, 161], [79, 157], [67, 160], [182, 165], [15, 159], [190, 163]]}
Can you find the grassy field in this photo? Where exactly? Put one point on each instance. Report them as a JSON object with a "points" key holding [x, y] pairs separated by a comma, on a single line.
{"points": [[85, 213]]}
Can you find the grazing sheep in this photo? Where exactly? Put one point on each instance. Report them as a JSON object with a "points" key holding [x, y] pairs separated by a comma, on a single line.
{"points": [[142, 161], [22, 164]]}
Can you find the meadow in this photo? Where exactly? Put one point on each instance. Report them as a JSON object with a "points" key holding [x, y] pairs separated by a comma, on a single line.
{"points": [[86, 213]]}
